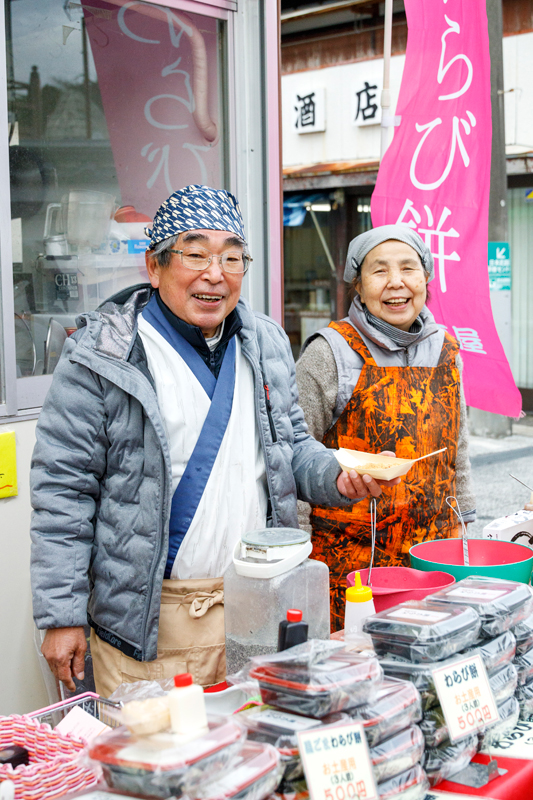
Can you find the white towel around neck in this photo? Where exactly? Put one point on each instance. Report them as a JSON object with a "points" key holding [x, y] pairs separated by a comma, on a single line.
{"points": [[235, 497]]}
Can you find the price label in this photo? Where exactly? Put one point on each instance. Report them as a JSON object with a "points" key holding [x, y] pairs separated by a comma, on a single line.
{"points": [[337, 763], [465, 696]]}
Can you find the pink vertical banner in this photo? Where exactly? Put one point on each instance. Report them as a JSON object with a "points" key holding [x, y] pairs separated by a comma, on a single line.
{"points": [[435, 177]]}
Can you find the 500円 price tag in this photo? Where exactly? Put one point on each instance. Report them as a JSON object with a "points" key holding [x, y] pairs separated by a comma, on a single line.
{"points": [[337, 763], [465, 696]]}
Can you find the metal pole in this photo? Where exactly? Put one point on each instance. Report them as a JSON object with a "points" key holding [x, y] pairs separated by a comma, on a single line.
{"points": [[483, 423], [322, 240], [385, 94]]}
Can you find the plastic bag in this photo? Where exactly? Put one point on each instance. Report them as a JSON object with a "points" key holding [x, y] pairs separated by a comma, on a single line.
{"points": [[509, 715], [418, 674], [523, 633], [410, 785], [316, 680], [495, 652], [421, 632], [524, 667], [503, 683], [524, 695], [396, 706], [444, 761], [163, 764], [142, 690], [397, 754], [434, 727], [254, 774], [279, 729], [500, 604]]}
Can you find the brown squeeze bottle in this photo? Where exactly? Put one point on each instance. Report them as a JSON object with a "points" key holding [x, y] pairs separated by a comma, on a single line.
{"points": [[292, 631]]}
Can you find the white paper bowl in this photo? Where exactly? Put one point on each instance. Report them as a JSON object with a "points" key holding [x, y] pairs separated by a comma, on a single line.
{"points": [[355, 459]]}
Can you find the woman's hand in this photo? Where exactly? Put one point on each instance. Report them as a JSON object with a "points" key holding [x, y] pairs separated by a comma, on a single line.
{"points": [[357, 487]]}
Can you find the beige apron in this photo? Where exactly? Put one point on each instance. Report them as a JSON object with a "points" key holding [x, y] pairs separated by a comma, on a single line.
{"points": [[191, 639]]}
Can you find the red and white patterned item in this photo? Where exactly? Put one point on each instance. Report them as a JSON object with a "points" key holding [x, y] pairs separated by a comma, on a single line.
{"points": [[54, 767]]}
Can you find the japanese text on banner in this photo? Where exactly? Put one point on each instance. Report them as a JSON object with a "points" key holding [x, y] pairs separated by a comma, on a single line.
{"points": [[435, 178]]}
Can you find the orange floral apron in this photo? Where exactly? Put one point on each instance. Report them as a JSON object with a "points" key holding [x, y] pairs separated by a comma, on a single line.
{"points": [[411, 411]]}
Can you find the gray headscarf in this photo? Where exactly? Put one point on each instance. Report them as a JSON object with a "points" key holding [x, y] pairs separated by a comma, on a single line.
{"points": [[365, 242]]}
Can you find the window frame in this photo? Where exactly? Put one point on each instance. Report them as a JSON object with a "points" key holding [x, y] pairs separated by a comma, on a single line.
{"points": [[254, 173]]}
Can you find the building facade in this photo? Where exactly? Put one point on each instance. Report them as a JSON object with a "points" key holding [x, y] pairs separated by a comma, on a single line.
{"points": [[333, 56]]}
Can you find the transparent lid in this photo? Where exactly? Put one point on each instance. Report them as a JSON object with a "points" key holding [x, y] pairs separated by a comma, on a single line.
{"points": [[164, 751], [491, 599], [276, 537], [256, 761], [421, 621]]}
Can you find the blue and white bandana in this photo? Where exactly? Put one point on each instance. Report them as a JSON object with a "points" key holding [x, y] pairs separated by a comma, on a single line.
{"points": [[195, 208]]}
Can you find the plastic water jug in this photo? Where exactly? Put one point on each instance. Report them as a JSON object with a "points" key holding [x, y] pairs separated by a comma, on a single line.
{"points": [[271, 573]]}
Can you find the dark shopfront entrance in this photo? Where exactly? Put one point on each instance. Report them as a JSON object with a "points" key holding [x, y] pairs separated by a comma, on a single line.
{"points": [[315, 292]]}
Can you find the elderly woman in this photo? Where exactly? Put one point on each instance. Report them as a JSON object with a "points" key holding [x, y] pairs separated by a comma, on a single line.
{"points": [[387, 378]]}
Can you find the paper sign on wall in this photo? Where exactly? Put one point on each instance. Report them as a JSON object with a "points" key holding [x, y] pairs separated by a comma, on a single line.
{"points": [[337, 763], [465, 696], [8, 464]]}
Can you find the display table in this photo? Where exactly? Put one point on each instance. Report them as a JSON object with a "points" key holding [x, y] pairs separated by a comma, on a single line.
{"points": [[517, 783]]}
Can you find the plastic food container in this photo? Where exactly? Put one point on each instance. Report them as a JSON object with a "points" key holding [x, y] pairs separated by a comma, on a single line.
{"points": [[440, 763], [317, 678], [418, 674], [500, 604], [523, 633], [422, 631], [396, 706], [434, 728], [254, 775], [161, 765], [279, 729], [495, 652], [509, 715], [397, 754], [503, 683], [410, 785], [524, 667], [524, 695]]}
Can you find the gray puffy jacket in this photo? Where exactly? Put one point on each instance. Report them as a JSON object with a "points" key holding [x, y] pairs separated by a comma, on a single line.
{"points": [[101, 472]]}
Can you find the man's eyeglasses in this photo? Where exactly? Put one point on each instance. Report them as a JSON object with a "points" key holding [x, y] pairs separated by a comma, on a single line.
{"points": [[199, 259]]}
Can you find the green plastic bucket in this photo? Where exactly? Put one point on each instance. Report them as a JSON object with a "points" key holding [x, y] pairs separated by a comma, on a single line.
{"points": [[488, 557]]}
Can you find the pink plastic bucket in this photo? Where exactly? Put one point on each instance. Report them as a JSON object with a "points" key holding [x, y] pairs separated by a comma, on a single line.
{"points": [[393, 585]]}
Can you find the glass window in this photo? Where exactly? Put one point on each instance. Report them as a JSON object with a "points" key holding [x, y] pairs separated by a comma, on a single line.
{"points": [[111, 107], [317, 231], [520, 205]]}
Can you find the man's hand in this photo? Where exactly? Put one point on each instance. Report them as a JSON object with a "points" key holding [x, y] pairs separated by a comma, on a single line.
{"points": [[357, 487], [64, 649]]}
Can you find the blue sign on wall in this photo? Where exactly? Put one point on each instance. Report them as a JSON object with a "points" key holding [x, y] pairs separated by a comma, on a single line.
{"points": [[499, 260]]}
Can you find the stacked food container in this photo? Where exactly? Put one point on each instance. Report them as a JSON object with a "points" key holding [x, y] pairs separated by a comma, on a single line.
{"points": [[472, 616], [214, 761], [330, 683], [523, 633]]}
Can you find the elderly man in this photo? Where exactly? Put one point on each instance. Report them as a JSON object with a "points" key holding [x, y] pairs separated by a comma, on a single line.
{"points": [[171, 428]]}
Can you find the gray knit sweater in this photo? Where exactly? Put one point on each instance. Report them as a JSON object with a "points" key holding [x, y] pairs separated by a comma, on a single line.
{"points": [[323, 397]]}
